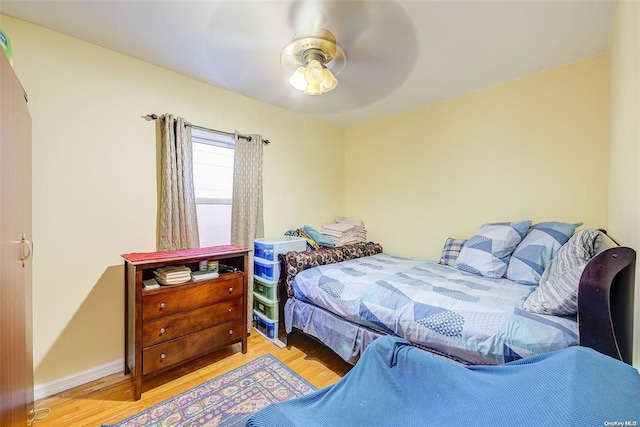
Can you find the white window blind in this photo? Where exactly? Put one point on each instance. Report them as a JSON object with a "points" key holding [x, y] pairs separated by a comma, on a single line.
{"points": [[213, 182]]}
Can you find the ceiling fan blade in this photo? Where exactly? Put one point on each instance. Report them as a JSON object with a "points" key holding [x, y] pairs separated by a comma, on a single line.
{"points": [[306, 17], [244, 48], [345, 19]]}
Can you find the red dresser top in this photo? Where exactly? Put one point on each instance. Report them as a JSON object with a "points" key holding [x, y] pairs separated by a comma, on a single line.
{"points": [[145, 257]]}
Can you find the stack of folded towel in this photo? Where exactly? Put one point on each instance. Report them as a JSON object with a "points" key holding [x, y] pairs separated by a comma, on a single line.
{"points": [[318, 238], [345, 231], [172, 275]]}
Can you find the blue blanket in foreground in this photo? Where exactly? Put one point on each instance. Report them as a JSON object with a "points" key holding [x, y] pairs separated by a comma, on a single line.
{"points": [[395, 384]]}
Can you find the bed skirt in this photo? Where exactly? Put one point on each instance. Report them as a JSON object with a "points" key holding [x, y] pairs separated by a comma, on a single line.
{"points": [[347, 339]]}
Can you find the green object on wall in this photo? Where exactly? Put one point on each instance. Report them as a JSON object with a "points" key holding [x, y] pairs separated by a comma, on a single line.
{"points": [[5, 41]]}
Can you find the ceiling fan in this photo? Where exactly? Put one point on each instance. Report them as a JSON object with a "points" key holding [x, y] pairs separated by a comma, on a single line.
{"points": [[317, 59], [284, 49]]}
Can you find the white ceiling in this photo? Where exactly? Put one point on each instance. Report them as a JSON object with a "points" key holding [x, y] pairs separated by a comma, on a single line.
{"points": [[401, 55]]}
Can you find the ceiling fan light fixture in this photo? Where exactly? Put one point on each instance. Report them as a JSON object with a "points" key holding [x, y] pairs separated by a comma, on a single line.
{"points": [[297, 79], [314, 79], [313, 89], [314, 73], [330, 82], [314, 56]]}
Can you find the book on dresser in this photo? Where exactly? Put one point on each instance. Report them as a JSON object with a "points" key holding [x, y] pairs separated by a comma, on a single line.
{"points": [[204, 275], [170, 326], [150, 284]]}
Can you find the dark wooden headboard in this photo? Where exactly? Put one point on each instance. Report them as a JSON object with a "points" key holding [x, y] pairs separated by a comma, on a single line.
{"points": [[605, 303]]}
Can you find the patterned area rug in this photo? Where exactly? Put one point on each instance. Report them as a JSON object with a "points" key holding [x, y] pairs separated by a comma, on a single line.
{"points": [[227, 400]]}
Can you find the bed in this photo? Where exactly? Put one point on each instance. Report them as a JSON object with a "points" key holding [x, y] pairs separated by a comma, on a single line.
{"points": [[348, 297]]}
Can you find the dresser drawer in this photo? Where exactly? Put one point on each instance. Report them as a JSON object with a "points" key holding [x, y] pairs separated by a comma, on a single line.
{"points": [[188, 297], [174, 352], [177, 325]]}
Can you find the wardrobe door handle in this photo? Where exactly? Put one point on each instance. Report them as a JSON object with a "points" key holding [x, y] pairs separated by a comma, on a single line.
{"points": [[26, 244]]}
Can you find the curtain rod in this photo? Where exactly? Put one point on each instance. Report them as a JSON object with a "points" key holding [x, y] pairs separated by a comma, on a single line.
{"points": [[247, 137]]}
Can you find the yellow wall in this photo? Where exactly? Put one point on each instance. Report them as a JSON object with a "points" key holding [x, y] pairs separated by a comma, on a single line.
{"points": [[534, 148], [94, 180], [624, 176]]}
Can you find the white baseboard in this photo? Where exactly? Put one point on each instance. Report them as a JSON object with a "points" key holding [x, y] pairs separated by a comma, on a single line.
{"points": [[74, 380]]}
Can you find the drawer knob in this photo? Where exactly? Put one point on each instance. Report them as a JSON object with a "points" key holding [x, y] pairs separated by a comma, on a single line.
{"points": [[163, 356], [230, 290], [230, 310], [162, 305], [162, 331], [230, 331]]}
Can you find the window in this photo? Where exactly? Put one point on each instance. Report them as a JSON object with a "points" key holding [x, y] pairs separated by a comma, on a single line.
{"points": [[213, 184]]}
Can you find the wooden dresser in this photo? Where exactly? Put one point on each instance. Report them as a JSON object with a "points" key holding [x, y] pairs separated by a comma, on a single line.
{"points": [[172, 325]]}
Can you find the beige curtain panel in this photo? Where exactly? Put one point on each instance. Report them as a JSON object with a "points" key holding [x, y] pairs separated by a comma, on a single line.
{"points": [[178, 228], [247, 221]]}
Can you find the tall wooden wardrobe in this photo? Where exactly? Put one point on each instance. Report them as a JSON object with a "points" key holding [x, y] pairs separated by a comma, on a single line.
{"points": [[16, 346]]}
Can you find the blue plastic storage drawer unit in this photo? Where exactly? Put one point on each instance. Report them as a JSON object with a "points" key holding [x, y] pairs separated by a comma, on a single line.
{"points": [[268, 249], [267, 327], [268, 271]]}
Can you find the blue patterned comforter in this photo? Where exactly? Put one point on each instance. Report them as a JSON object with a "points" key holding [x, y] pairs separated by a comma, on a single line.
{"points": [[473, 318]]}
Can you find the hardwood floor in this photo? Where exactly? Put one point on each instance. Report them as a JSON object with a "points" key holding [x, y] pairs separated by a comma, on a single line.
{"points": [[110, 399]]}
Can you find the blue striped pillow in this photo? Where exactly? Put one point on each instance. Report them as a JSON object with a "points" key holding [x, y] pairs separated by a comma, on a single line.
{"points": [[487, 252], [537, 249]]}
